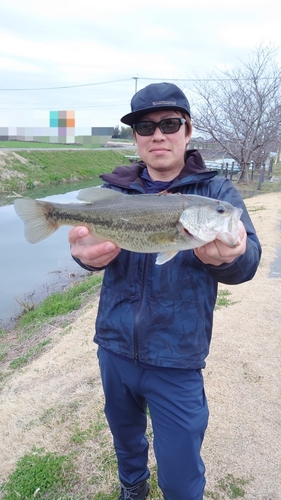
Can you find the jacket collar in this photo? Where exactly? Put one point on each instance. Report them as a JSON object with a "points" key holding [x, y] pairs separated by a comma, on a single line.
{"points": [[128, 175]]}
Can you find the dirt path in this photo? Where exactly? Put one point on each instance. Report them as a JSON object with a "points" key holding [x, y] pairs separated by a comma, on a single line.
{"points": [[243, 371], [242, 382]]}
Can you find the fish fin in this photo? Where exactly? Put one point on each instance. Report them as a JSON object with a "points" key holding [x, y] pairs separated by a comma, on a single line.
{"points": [[163, 257], [161, 238], [34, 215], [93, 194]]}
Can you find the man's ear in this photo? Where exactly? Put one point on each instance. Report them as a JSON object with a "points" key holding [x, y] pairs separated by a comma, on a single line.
{"points": [[189, 134]]}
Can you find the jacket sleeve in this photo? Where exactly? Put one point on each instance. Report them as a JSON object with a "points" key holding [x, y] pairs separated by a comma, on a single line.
{"points": [[86, 267], [244, 267]]}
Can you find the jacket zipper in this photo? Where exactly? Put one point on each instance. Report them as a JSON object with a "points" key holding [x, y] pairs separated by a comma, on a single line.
{"points": [[147, 258]]}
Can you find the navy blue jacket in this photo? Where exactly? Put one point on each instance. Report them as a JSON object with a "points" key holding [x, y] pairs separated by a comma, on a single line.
{"points": [[162, 315]]}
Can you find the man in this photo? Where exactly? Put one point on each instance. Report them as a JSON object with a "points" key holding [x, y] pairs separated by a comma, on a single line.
{"points": [[154, 323]]}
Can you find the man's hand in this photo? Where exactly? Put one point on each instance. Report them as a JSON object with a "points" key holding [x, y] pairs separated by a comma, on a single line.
{"points": [[90, 250], [217, 252]]}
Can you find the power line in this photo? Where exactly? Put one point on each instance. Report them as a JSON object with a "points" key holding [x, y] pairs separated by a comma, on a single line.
{"points": [[206, 79], [67, 86], [136, 79], [55, 106]]}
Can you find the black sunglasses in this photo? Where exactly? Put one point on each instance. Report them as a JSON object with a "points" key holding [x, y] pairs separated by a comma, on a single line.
{"points": [[167, 126]]}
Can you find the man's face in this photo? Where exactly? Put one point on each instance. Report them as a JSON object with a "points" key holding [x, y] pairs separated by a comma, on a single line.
{"points": [[163, 153]]}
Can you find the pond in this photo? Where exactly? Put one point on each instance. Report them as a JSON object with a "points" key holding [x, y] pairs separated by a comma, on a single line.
{"points": [[29, 272]]}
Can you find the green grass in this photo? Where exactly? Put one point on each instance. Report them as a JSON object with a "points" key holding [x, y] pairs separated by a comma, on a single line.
{"points": [[3, 351], [266, 187], [81, 141], [57, 475], [34, 145], [44, 168], [223, 299], [232, 487], [40, 475], [60, 414], [56, 305], [35, 350], [60, 303], [270, 187], [82, 435]]}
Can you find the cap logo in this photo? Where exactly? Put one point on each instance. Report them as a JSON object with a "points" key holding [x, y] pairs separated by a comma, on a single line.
{"points": [[157, 103]]}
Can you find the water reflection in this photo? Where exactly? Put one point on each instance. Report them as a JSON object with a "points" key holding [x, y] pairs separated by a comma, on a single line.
{"points": [[43, 191], [29, 272]]}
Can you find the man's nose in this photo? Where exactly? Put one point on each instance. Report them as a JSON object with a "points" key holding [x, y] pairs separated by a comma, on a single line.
{"points": [[158, 134]]}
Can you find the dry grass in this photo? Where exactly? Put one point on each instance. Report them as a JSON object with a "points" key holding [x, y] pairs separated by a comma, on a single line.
{"points": [[56, 401]]}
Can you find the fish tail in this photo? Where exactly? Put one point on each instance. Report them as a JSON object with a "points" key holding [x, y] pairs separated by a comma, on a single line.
{"points": [[35, 214]]}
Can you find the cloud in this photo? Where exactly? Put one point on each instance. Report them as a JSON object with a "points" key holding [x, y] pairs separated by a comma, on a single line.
{"points": [[65, 9], [15, 65], [71, 43], [80, 61], [250, 34]]}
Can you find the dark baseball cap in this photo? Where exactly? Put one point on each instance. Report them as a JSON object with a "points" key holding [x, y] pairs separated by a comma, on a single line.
{"points": [[156, 97]]}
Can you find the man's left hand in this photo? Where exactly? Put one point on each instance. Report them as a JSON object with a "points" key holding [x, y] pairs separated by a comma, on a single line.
{"points": [[217, 252]]}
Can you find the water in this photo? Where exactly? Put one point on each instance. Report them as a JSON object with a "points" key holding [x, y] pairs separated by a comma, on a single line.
{"points": [[28, 273]]}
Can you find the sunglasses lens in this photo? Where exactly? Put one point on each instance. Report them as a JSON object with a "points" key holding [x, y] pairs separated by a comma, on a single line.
{"points": [[145, 128], [167, 126], [170, 126]]}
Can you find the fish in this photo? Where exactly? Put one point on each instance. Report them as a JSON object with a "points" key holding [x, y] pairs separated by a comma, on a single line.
{"points": [[163, 223]]}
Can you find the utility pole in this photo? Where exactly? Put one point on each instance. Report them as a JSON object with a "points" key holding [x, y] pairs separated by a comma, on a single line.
{"points": [[136, 83]]}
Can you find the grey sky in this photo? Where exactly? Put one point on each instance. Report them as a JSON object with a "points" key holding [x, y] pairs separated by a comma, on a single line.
{"points": [[63, 43]]}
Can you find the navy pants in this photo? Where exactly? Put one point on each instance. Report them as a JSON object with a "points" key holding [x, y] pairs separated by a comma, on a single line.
{"points": [[179, 415]]}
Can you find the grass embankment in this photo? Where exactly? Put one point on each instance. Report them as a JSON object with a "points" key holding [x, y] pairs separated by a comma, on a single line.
{"points": [[54, 311], [36, 145], [23, 170], [82, 141]]}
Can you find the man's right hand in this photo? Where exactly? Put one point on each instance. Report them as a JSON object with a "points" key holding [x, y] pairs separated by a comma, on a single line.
{"points": [[92, 251]]}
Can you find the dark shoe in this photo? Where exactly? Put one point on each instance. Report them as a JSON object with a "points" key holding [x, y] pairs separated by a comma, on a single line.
{"points": [[137, 492]]}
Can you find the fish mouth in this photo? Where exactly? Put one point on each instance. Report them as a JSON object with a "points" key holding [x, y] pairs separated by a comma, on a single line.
{"points": [[187, 232]]}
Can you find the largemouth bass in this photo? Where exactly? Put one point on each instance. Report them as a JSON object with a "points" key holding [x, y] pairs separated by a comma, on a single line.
{"points": [[148, 223]]}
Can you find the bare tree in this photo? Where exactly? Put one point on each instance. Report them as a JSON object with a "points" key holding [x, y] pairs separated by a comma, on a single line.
{"points": [[240, 109]]}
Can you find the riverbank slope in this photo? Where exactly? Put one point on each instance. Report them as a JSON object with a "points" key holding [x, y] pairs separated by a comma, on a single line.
{"points": [[20, 170]]}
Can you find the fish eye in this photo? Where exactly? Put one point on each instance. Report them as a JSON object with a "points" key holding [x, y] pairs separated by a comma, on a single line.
{"points": [[220, 209]]}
